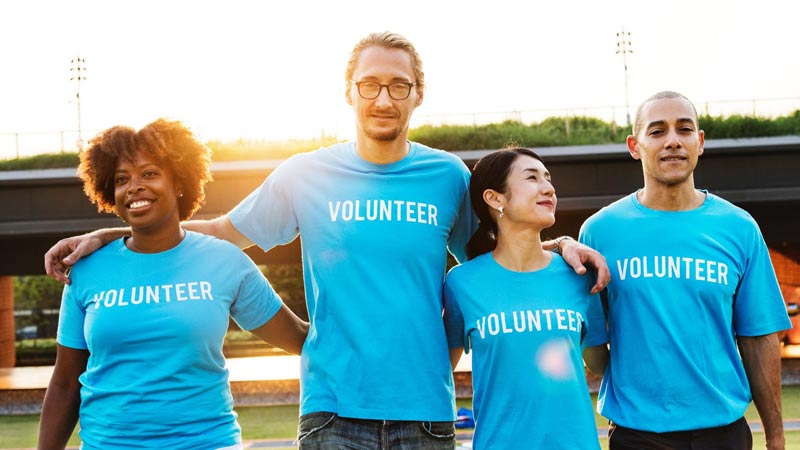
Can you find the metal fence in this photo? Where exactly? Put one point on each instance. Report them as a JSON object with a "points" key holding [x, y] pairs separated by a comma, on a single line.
{"points": [[28, 143]]}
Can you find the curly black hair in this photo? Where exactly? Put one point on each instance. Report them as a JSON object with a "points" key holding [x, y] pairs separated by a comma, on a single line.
{"points": [[170, 143]]}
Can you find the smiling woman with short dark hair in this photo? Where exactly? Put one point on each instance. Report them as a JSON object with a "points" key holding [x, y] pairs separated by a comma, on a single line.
{"points": [[143, 320]]}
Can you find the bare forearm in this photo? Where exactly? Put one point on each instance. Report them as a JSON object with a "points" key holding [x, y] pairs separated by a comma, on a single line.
{"points": [[284, 330], [761, 356], [59, 417], [106, 235], [202, 226], [59, 259], [220, 228], [455, 356]]}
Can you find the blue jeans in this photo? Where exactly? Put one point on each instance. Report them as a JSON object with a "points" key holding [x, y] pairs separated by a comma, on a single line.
{"points": [[328, 431]]}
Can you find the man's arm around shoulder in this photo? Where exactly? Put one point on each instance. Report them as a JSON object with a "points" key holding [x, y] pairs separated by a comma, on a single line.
{"points": [[66, 252], [221, 228]]}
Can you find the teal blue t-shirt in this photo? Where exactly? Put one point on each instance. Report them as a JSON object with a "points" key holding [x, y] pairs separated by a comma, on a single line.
{"points": [[374, 248], [526, 332], [154, 325], [684, 285]]}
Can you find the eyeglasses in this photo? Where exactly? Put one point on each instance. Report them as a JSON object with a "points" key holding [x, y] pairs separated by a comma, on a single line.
{"points": [[370, 89]]}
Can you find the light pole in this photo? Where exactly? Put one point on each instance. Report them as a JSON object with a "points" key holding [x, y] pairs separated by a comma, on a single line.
{"points": [[624, 47], [78, 70]]}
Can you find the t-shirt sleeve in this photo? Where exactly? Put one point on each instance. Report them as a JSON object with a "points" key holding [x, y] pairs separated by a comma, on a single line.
{"points": [[585, 236], [453, 319], [266, 216], [758, 303], [71, 319], [596, 329], [256, 301], [465, 225]]}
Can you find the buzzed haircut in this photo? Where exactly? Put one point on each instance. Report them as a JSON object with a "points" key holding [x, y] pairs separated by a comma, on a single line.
{"points": [[637, 124]]}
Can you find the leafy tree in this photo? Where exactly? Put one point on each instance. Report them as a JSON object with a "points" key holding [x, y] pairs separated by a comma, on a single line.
{"points": [[39, 295], [37, 291]]}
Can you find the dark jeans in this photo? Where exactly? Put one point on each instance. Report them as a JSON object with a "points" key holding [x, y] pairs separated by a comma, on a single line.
{"points": [[328, 431], [735, 436]]}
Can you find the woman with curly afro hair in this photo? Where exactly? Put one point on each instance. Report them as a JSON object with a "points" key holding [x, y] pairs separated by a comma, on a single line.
{"points": [[143, 320], [169, 143]]}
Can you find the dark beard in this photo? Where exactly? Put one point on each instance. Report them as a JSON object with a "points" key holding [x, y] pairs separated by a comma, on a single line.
{"points": [[383, 136]]}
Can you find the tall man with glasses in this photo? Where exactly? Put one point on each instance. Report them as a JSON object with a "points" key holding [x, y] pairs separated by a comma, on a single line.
{"points": [[376, 217]]}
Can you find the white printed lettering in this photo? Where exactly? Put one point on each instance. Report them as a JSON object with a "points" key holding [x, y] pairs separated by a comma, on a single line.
{"points": [[506, 329], [494, 320], [334, 211], [180, 292], [205, 288], [677, 267]]}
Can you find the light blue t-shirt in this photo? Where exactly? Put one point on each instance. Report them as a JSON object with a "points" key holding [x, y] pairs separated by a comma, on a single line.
{"points": [[526, 331], [154, 326], [683, 285], [374, 249]]}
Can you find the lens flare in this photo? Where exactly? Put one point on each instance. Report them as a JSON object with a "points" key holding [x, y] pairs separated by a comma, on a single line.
{"points": [[553, 359]]}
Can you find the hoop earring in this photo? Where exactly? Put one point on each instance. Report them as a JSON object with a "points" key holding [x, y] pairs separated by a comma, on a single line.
{"points": [[501, 211]]}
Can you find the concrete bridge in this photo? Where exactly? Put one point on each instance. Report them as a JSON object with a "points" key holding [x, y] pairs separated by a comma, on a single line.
{"points": [[760, 175]]}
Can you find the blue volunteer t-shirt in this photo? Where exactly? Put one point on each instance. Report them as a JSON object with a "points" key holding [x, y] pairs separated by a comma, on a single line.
{"points": [[154, 326], [526, 331], [374, 248], [683, 285]]}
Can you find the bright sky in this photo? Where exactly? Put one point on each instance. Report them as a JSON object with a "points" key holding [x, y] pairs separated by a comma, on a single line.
{"points": [[274, 69]]}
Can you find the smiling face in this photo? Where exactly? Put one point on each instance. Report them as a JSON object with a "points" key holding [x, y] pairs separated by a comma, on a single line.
{"points": [[669, 142], [530, 197], [145, 194], [383, 118]]}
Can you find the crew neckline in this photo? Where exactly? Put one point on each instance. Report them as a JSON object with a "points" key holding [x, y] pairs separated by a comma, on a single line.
{"points": [[404, 161]]}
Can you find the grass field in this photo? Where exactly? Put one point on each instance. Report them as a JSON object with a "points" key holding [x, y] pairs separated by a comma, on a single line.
{"points": [[280, 422]]}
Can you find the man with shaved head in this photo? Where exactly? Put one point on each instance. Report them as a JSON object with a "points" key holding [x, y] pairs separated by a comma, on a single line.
{"points": [[693, 305]]}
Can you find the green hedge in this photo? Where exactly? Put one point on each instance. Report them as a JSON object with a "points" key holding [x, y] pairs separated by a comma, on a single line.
{"points": [[220, 151], [36, 345], [243, 149], [749, 126], [554, 131], [43, 161], [36, 352]]}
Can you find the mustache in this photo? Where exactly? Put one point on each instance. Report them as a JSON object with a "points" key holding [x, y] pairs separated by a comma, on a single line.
{"points": [[388, 112]]}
